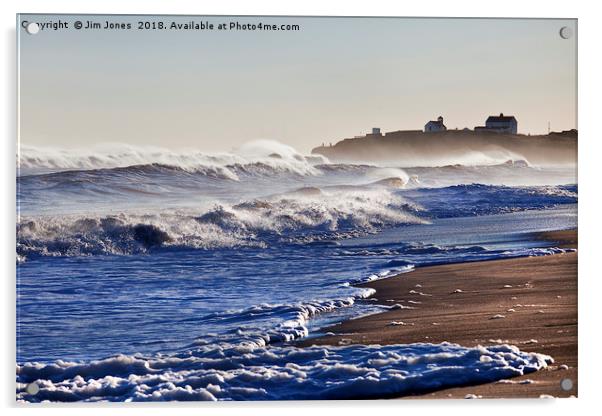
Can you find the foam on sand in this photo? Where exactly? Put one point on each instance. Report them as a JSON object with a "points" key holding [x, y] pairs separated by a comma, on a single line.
{"points": [[277, 373]]}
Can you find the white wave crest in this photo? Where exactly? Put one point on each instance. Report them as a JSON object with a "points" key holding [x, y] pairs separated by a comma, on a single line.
{"points": [[271, 154], [287, 217], [387, 173], [294, 320]]}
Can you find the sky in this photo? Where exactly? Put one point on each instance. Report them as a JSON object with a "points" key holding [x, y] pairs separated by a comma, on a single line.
{"points": [[333, 78]]}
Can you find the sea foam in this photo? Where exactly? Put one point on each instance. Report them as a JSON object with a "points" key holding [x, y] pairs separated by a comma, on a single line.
{"points": [[277, 373]]}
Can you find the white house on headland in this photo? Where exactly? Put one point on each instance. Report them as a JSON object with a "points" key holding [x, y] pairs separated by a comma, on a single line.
{"points": [[502, 124], [432, 126]]}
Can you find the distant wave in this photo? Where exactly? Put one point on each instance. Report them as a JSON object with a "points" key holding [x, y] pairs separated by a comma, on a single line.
{"points": [[277, 373], [261, 157], [124, 170], [258, 156]]}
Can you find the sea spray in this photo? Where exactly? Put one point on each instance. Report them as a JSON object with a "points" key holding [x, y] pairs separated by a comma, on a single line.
{"points": [[271, 154]]}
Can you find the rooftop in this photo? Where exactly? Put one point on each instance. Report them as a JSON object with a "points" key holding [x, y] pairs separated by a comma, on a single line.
{"points": [[500, 118]]}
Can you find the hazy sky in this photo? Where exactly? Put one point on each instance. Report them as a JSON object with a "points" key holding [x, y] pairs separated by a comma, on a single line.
{"points": [[333, 78]]}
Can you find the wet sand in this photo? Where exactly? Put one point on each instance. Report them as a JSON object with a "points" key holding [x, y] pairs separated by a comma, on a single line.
{"points": [[529, 302]]}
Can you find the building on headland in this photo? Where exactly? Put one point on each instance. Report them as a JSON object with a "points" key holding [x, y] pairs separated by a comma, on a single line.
{"points": [[433, 126], [499, 124], [375, 132], [493, 124]]}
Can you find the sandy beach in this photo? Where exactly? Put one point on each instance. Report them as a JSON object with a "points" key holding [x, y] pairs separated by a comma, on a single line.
{"points": [[529, 302]]}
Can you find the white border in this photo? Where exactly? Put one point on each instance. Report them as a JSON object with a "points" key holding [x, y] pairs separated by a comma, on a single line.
{"points": [[590, 136]]}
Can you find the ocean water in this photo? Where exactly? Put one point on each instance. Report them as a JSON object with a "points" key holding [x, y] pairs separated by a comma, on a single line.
{"points": [[149, 275]]}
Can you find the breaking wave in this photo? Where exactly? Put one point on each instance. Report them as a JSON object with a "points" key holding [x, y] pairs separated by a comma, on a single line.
{"points": [[306, 215], [257, 157]]}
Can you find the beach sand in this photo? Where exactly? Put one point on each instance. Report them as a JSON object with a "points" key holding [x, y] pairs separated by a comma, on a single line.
{"points": [[529, 302]]}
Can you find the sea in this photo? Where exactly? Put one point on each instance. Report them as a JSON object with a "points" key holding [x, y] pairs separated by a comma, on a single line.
{"points": [[145, 274]]}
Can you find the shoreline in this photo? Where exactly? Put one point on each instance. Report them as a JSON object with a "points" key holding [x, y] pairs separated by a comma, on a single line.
{"points": [[530, 302]]}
